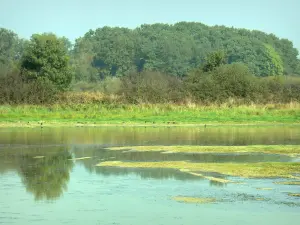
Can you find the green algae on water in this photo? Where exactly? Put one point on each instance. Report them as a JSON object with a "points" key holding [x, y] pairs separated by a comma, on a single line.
{"points": [[288, 182], [195, 200], [291, 150], [294, 194], [247, 170], [81, 158], [265, 189], [216, 179], [39, 157]]}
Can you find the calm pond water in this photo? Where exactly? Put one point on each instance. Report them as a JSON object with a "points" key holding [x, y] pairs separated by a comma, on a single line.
{"points": [[41, 183]]}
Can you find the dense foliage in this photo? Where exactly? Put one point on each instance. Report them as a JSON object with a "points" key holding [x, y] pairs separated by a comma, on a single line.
{"points": [[11, 50], [157, 63], [178, 49], [46, 58]]}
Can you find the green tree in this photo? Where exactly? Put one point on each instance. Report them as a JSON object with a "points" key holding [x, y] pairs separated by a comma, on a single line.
{"points": [[82, 57], [115, 54], [178, 49], [11, 48], [274, 64], [46, 57], [214, 60]]}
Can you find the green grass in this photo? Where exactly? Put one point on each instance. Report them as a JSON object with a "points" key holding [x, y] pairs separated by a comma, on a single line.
{"points": [[247, 170], [147, 114], [291, 150]]}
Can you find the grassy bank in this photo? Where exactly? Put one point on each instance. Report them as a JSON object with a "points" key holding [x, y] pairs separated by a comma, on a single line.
{"points": [[148, 114]]}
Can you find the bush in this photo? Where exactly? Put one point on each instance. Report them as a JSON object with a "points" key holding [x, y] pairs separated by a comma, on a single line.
{"points": [[199, 85], [233, 81], [292, 88], [110, 85], [222, 83], [282, 88], [79, 98], [15, 90], [151, 87]]}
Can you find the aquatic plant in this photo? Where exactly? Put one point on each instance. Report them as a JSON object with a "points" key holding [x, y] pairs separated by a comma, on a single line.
{"points": [[294, 194], [288, 182], [292, 150], [266, 169], [196, 200]]}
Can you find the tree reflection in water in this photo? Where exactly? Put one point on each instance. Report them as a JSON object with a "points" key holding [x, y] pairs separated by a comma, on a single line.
{"points": [[47, 178]]}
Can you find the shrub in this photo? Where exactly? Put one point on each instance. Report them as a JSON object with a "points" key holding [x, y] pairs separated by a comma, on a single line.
{"points": [[222, 83], [151, 87], [15, 90]]}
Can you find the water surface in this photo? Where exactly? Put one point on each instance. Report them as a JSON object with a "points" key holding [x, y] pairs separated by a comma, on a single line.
{"points": [[41, 182]]}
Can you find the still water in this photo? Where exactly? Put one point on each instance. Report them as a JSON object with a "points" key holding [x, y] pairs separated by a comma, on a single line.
{"points": [[41, 182]]}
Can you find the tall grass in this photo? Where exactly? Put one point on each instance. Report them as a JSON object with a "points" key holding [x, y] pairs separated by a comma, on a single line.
{"points": [[153, 113]]}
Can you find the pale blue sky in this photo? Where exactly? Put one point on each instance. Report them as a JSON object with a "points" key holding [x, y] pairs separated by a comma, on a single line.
{"points": [[72, 18]]}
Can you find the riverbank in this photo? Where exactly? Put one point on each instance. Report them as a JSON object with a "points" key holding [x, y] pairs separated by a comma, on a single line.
{"points": [[147, 115]]}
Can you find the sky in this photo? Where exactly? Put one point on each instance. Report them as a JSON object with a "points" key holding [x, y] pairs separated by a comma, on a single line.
{"points": [[73, 18]]}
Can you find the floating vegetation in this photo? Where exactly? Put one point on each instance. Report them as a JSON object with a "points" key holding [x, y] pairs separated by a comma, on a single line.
{"points": [[288, 182], [247, 170], [216, 179], [168, 152], [265, 189], [39, 157], [294, 194], [294, 177], [195, 200], [82, 158], [291, 150], [247, 197], [290, 204]]}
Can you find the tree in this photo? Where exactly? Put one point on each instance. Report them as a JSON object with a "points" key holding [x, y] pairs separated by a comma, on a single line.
{"points": [[274, 64], [180, 48], [10, 51], [214, 60], [46, 57]]}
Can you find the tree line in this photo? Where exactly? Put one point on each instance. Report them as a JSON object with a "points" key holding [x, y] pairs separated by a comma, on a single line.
{"points": [[177, 49], [152, 63]]}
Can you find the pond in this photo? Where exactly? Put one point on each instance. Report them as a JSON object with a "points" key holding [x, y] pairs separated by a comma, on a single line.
{"points": [[52, 176]]}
